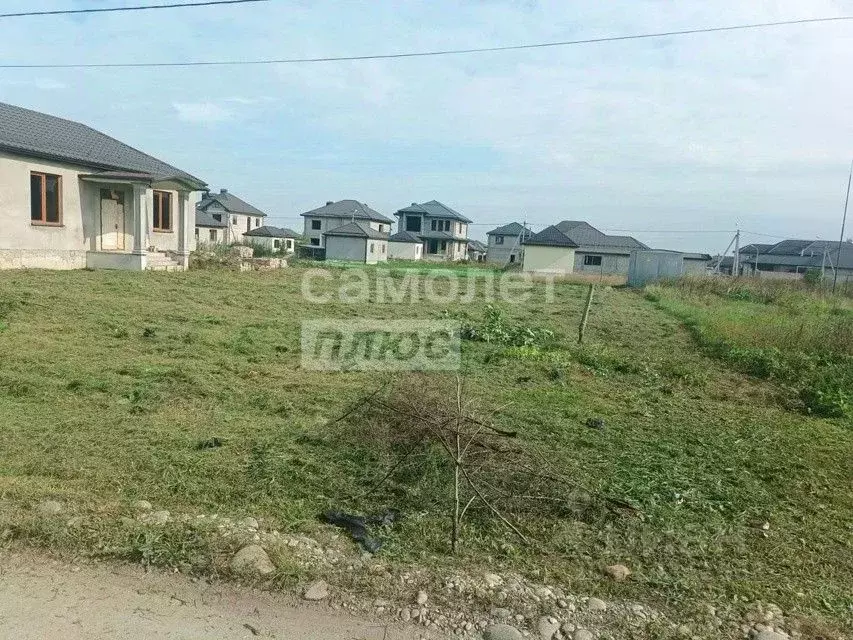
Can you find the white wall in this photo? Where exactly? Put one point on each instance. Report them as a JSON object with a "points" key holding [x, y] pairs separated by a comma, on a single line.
{"points": [[405, 251], [549, 259], [611, 263]]}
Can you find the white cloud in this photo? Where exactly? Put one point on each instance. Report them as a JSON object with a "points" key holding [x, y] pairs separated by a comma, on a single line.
{"points": [[202, 112]]}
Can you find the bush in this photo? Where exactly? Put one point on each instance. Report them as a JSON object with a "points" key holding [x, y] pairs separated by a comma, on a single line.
{"points": [[495, 328]]}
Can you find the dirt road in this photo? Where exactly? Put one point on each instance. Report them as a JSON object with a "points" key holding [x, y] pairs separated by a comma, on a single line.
{"points": [[45, 599]]}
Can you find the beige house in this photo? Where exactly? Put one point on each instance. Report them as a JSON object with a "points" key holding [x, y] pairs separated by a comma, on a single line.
{"points": [[223, 218], [443, 231], [356, 242], [405, 246], [332, 215], [274, 238], [72, 197]]}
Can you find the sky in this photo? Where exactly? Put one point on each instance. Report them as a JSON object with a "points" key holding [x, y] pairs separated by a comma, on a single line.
{"points": [[677, 141]]}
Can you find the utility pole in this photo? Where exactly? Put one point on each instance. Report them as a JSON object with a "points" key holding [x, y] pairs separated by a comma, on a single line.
{"points": [[736, 260], [843, 224]]}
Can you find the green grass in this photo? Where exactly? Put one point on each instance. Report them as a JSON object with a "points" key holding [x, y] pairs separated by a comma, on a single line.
{"points": [[108, 381]]}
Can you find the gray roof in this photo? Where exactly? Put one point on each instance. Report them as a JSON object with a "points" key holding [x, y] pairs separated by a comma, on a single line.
{"points": [[272, 232], [39, 135], [357, 230], [405, 236], [585, 237], [755, 247], [229, 202], [352, 209], [433, 209], [551, 237], [511, 229], [205, 219], [804, 253], [476, 245]]}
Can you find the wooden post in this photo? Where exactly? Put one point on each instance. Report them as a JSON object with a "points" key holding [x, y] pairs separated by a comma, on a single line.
{"points": [[585, 317]]}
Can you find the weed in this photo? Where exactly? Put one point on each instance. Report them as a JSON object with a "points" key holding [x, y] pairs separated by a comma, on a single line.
{"points": [[496, 328]]}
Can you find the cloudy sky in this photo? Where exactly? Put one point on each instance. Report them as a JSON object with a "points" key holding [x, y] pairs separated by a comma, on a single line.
{"points": [[694, 135]]}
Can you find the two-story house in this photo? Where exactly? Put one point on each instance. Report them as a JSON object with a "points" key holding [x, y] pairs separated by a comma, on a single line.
{"points": [[443, 231], [332, 215], [505, 243], [223, 218]]}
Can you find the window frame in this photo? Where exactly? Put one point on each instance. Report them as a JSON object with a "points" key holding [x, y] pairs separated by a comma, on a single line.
{"points": [[155, 226], [316, 225], [499, 240], [43, 221], [212, 236], [592, 260]]}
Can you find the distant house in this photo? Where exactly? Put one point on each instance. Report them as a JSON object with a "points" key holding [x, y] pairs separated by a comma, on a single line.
{"points": [[72, 197], [356, 242], [443, 231], [275, 238], [337, 214], [696, 263], [793, 258], [405, 246], [223, 218], [505, 243], [585, 247], [477, 251]]}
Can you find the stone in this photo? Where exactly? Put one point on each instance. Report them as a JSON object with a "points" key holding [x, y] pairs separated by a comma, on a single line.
{"points": [[422, 598], [249, 523], [157, 517], [618, 572], [252, 559], [493, 580], [405, 614], [142, 505], [501, 632], [315, 591], [568, 629], [547, 627], [583, 634], [769, 634], [684, 631], [595, 604], [49, 508], [501, 613]]}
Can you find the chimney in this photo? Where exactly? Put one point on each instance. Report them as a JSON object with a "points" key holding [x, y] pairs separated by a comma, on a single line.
{"points": [[328, 202], [223, 191], [414, 204]]}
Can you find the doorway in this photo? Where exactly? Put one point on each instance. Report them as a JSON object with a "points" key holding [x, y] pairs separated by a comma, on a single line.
{"points": [[112, 220]]}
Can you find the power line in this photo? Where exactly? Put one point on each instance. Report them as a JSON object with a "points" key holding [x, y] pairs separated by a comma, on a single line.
{"points": [[146, 7], [421, 54]]}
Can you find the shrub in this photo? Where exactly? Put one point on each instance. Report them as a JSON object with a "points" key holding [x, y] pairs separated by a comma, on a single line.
{"points": [[495, 328]]}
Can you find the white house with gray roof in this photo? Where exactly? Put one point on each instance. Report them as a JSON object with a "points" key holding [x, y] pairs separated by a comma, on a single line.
{"points": [[332, 215], [405, 246], [223, 218], [280, 239], [356, 242], [72, 197], [443, 231], [505, 243], [573, 246]]}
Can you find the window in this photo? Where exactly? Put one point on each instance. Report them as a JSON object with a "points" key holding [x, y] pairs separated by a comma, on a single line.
{"points": [[288, 245], [447, 225], [196, 233], [257, 222], [162, 211], [458, 227], [371, 247], [315, 242], [512, 257], [276, 244], [213, 235], [499, 239], [592, 261], [316, 224], [432, 225], [233, 220], [217, 217], [382, 246], [413, 223], [444, 245], [248, 224], [45, 199]]}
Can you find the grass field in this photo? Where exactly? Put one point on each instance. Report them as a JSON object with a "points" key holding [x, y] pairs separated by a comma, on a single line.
{"points": [[109, 381]]}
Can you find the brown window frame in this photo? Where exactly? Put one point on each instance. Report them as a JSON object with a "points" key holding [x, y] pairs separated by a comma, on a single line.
{"points": [[157, 225], [43, 221]]}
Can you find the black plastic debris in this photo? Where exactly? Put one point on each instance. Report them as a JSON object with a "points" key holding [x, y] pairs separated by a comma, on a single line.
{"points": [[211, 443], [595, 423], [358, 526]]}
